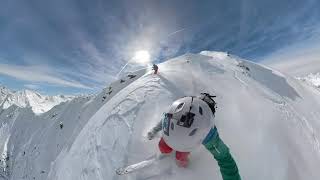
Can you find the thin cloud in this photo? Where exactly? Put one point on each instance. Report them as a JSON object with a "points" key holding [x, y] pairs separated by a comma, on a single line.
{"points": [[32, 74], [31, 86], [297, 60]]}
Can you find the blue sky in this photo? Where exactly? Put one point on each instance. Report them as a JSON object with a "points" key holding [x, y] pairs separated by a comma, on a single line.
{"points": [[79, 46]]}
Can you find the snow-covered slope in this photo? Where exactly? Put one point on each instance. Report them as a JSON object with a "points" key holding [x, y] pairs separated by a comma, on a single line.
{"points": [[304, 66], [270, 122], [29, 143], [27, 98], [305, 70], [4, 92], [312, 79]]}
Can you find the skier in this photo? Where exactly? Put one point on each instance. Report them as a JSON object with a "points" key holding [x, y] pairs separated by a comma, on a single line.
{"points": [[61, 125], [155, 68], [188, 124]]}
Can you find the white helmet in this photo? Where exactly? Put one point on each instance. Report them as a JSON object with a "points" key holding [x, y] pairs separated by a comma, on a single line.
{"points": [[187, 123]]}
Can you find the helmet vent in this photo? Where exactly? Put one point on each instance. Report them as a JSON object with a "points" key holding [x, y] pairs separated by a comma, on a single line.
{"points": [[193, 132], [200, 110], [179, 107]]}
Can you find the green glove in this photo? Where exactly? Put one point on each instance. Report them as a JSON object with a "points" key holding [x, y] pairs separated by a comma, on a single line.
{"points": [[221, 153]]}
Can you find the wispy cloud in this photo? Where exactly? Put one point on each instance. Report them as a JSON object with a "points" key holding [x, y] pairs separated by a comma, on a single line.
{"points": [[298, 60], [32, 86], [88, 49], [35, 74]]}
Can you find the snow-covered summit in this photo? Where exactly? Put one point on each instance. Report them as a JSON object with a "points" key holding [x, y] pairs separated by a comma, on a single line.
{"points": [[28, 98]]}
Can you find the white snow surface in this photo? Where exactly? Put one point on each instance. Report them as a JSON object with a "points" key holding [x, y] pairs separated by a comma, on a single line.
{"points": [[28, 98], [312, 79], [29, 143], [270, 122]]}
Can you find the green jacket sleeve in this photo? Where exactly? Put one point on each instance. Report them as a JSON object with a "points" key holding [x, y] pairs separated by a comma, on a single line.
{"points": [[221, 153]]}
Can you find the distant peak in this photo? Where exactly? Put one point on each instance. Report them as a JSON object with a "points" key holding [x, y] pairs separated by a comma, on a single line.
{"points": [[30, 98], [4, 90], [3, 87]]}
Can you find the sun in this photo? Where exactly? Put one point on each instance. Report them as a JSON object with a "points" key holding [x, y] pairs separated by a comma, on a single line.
{"points": [[142, 57]]}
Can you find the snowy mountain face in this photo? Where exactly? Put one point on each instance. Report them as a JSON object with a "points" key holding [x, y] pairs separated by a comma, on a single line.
{"points": [[29, 143], [312, 79], [3, 93], [27, 98], [269, 121], [304, 66]]}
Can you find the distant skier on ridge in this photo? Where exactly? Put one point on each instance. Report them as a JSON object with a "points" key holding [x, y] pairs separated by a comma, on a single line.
{"points": [[155, 68], [188, 124]]}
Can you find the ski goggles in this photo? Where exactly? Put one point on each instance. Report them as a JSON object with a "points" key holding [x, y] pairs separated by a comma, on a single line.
{"points": [[185, 120]]}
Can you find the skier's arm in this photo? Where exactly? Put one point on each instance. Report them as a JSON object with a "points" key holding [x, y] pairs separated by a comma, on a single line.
{"points": [[221, 153], [155, 130]]}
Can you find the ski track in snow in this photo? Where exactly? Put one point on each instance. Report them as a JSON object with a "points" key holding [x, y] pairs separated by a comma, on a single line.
{"points": [[289, 111], [148, 87], [290, 115]]}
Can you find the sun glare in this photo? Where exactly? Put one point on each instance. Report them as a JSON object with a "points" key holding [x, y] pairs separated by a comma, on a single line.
{"points": [[142, 56]]}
